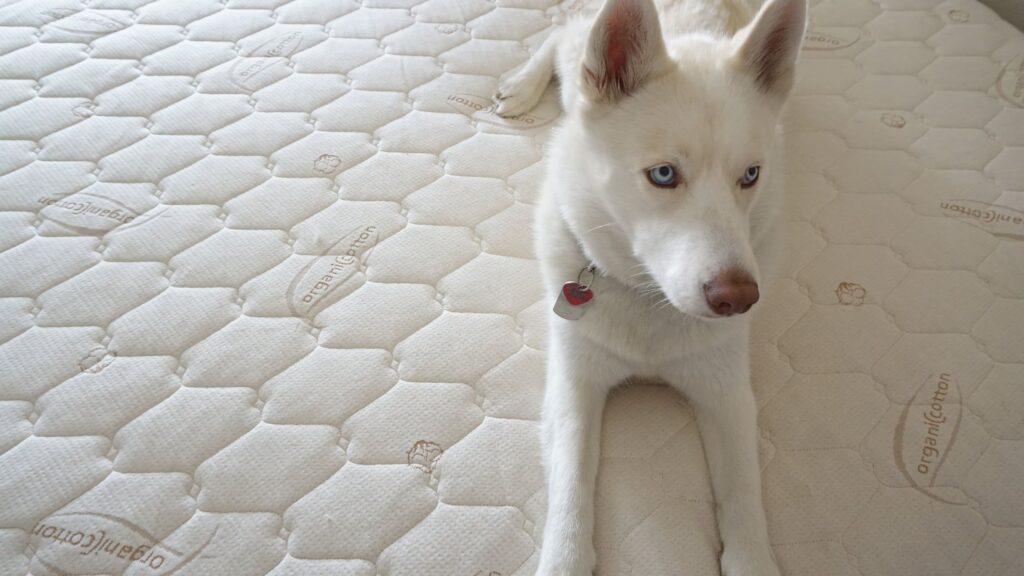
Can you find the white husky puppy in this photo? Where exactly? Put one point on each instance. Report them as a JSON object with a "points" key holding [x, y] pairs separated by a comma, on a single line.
{"points": [[657, 218]]}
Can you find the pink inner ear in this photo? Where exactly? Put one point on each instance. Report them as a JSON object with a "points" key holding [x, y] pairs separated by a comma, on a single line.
{"points": [[771, 52], [621, 28]]}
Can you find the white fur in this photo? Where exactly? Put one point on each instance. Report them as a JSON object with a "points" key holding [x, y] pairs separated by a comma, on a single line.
{"points": [[704, 94]]}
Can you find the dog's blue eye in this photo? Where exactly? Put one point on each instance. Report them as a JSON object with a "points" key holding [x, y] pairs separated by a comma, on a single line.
{"points": [[750, 177], [663, 176]]}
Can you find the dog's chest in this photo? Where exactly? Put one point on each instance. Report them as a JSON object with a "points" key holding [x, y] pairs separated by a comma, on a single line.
{"points": [[642, 331]]}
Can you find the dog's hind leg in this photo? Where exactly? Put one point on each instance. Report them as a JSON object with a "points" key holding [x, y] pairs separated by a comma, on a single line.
{"points": [[520, 91]]}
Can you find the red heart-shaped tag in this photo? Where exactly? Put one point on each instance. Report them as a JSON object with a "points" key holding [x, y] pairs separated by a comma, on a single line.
{"points": [[576, 294]]}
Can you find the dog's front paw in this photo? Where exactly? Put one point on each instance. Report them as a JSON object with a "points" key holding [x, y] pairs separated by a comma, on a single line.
{"points": [[748, 562], [519, 93], [568, 561], [564, 571]]}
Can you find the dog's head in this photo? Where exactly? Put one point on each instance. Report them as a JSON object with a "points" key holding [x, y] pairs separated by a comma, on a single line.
{"points": [[678, 147]]}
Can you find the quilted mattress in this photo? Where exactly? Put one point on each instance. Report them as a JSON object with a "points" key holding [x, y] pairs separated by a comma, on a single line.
{"points": [[268, 303]]}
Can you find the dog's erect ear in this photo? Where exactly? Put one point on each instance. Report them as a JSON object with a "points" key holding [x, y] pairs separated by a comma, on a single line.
{"points": [[768, 47], [625, 47]]}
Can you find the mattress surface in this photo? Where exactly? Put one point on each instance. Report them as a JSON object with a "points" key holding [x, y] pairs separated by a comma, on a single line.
{"points": [[268, 303]]}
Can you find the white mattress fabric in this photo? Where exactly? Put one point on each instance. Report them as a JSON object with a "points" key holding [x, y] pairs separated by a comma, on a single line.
{"points": [[268, 303]]}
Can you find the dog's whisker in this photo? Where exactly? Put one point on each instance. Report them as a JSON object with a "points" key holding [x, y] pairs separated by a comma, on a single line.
{"points": [[599, 227]]}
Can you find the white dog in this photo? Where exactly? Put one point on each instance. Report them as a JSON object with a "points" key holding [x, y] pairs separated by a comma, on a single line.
{"points": [[657, 218]]}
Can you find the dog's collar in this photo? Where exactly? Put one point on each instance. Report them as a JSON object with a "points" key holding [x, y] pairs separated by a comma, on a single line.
{"points": [[590, 272]]}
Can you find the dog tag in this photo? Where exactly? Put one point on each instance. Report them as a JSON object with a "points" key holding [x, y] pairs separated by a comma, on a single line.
{"points": [[573, 300]]}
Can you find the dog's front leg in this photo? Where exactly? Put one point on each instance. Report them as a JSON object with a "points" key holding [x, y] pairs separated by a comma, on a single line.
{"points": [[578, 381], [718, 387]]}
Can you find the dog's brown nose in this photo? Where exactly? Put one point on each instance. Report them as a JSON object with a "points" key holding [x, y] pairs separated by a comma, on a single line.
{"points": [[732, 291]]}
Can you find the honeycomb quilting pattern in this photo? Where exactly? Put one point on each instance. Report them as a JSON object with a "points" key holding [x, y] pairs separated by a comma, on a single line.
{"points": [[268, 301]]}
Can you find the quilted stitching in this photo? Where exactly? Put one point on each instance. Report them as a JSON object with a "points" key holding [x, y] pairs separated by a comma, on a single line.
{"points": [[268, 300]]}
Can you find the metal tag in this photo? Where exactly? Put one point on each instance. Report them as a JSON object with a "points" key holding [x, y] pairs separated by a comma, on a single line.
{"points": [[573, 300]]}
